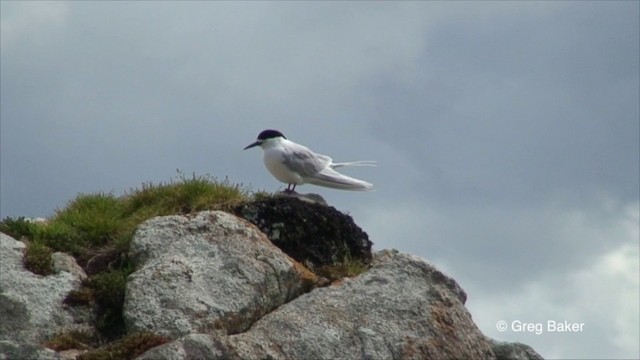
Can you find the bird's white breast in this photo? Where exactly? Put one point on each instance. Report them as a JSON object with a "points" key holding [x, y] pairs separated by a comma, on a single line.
{"points": [[274, 162]]}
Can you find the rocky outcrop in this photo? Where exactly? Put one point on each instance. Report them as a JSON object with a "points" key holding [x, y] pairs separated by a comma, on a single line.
{"points": [[401, 308], [31, 306], [215, 287]]}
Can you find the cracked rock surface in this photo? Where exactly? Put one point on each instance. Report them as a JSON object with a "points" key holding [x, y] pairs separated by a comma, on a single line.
{"points": [[208, 272]]}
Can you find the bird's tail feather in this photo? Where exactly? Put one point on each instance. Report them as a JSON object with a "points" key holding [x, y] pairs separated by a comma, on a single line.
{"points": [[335, 180], [355, 163]]}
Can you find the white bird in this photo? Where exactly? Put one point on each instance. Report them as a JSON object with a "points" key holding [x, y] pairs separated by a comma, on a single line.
{"points": [[294, 164]]}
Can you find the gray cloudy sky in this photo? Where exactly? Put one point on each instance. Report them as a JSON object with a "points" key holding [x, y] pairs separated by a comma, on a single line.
{"points": [[507, 133]]}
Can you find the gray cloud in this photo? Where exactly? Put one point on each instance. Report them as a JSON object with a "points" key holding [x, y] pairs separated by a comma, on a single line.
{"points": [[523, 109]]}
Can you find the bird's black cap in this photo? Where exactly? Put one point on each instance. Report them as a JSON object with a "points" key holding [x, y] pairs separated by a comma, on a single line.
{"points": [[269, 134], [264, 135]]}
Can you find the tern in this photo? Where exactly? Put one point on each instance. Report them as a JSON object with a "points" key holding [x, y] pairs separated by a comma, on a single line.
{"points": [[295, 164]]}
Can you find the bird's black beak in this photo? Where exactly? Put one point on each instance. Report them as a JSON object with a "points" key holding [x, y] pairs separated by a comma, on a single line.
{"points": [[252, 145]]}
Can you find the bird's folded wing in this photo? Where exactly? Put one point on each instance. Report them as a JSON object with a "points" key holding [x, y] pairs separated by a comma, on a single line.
{"points": [[304, 161], [333, 179]]}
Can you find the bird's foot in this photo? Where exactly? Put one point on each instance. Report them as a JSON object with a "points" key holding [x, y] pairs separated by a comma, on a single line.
{"points": [[291, 189]]}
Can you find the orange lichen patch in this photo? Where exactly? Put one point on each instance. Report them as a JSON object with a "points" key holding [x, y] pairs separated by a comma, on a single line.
{"points": [[308, 277]]}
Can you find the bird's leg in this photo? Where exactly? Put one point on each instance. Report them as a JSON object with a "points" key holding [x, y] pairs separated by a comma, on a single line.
{"points": [[290, 189]]}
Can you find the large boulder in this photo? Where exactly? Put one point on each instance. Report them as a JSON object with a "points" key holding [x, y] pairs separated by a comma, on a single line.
{"points": [[206, 272], [31, 305]]}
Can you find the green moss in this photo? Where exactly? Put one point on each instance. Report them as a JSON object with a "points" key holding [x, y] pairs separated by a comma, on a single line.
{"points": [[37, 258], [126, 348]]}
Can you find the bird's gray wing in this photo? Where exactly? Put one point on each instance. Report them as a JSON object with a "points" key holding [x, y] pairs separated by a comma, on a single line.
{"points": [[304, 161]]}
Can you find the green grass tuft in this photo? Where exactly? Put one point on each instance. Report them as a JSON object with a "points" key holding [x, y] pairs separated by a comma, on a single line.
{"points": [[92, 222], [262, 195], [61, 237], [184, 196], [94, 218]]}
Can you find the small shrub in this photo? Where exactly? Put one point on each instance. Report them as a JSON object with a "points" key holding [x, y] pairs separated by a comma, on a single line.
{"points": [[339, 270], [60, 237], [37, 258], [18, 228], [108, 291], [83, 296]]}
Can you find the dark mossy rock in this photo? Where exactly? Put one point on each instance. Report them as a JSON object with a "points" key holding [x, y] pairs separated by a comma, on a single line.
{"points": [[311, 233]]}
